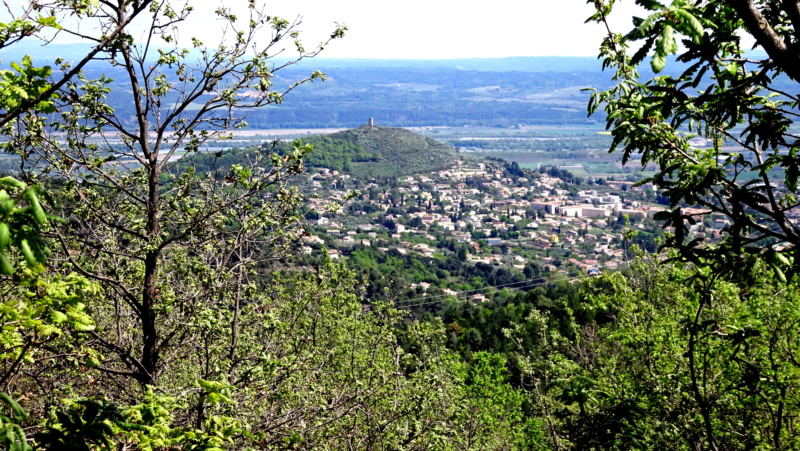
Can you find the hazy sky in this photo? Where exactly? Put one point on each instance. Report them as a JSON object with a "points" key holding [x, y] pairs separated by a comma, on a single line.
{"points": [[453, 29], [421, 28]]}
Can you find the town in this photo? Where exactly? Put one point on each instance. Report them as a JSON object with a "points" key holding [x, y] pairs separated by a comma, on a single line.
{"points": [[532, 223]]}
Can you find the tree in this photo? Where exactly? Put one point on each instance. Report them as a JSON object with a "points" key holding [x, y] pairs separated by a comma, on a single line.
{"points": [[167, 244], [202, 347], [22, 220], [34, 89], [714, 380], [44, 316], [717, 125], [489, 410]]}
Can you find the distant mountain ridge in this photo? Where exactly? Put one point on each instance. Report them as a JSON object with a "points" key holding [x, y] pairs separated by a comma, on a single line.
{"points": [[495, 92], [46, 54], [499, 92]]}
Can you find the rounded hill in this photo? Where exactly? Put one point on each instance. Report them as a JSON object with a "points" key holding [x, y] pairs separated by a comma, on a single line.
{"points": [[396, 151]]}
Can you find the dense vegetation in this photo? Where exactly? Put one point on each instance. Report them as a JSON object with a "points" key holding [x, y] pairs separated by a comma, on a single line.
{"points": [[364, 152], [399, 152], [151, 304], [332, 153]]}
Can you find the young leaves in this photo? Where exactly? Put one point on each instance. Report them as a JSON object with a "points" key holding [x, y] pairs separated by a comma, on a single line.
{"points": [[22, 220]]}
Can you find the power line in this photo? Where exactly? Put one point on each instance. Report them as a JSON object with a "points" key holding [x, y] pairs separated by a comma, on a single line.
{"points": [[533, 285], [476, 290], [535, 282]]}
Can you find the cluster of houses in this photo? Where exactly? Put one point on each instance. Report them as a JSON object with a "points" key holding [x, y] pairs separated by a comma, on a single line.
{"points": [[500, 219]]}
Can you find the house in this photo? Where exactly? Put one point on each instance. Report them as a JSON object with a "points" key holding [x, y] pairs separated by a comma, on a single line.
{"points": [[548, 206], [494, 241], [542, 243], [591, 212], [313, 239], [423, 285]]}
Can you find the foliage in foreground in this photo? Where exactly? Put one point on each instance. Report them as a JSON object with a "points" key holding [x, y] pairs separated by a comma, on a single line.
{"points": [[311, 370], [684, 361], [723, 95]]}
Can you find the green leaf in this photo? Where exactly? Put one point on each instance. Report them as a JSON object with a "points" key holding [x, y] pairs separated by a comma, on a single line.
{"points": [[693, 28], [5, 235], [665, 46], [11, 182], [36, 207], [25, 247], [58, 317], [652, 5], [19, 412], [5, 266]]}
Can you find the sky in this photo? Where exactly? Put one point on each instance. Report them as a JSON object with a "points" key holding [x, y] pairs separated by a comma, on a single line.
{"points": [[434, 29], [422, 29]]}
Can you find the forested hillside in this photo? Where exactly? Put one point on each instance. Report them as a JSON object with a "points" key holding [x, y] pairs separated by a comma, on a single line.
{"points": [[366, 152], [398, 152]]}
